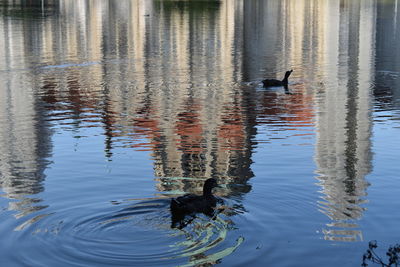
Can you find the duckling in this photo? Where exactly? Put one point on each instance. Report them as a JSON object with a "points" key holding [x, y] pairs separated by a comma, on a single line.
{"points": [[274, 82], [190, 204]]}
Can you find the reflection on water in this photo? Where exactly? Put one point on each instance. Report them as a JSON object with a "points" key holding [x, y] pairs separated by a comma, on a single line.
{"points": [[25, 144], [115, 235], [180, 80], [387, 64], [343, 150], [336, 41]]}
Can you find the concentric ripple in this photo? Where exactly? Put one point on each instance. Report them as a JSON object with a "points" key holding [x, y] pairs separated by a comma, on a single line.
{"points": [[127, 234]]}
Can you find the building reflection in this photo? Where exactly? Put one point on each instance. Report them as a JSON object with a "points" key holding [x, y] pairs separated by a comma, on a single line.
{"points": [[165, 77], [208, 133], [331, 43], [194, 115], [25, 135], [343, 150], [191, 114]]}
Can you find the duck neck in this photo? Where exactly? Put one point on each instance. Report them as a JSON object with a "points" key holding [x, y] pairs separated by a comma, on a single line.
{"points": [[285, 79], [207, 191]]}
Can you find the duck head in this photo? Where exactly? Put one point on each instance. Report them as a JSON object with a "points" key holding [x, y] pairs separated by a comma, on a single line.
{"points": [[287, 74], [209, 184]]}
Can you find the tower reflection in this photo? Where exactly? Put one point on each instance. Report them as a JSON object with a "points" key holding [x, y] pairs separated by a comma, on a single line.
{"points": [[343, 150], [25, 134]]}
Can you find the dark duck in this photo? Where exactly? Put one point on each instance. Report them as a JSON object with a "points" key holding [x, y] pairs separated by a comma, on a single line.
{"points": [[274, 82], [190, 204]]}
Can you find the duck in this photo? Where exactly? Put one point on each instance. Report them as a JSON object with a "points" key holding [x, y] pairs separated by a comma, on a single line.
{"points": [[274, 82], [190, 204]]}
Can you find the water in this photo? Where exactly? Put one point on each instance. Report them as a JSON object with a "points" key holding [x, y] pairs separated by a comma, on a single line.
{"points": [[110, 108]]}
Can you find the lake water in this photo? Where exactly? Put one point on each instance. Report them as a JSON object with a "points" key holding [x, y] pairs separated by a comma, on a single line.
{"points": [[110, 108]]}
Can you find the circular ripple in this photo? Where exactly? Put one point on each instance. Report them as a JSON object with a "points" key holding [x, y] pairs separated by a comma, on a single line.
{"points": [[128, 234]]}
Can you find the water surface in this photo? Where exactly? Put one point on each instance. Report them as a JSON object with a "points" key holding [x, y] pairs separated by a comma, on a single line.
{"points": [[110, 108]]}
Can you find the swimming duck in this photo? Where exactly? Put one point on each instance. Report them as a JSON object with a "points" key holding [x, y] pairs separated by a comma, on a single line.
{"points": [[274, 82], [190, 204]]}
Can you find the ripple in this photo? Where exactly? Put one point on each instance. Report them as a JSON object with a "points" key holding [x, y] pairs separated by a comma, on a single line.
{"points": [[127, 233]]}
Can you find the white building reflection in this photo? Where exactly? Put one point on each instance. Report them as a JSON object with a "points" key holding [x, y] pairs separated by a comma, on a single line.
{"points": [[343, 120], [25, 135], [333, 44]]}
